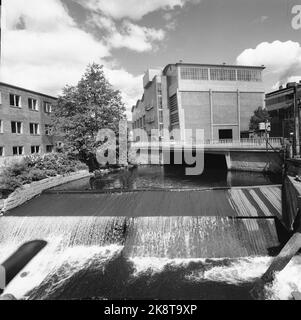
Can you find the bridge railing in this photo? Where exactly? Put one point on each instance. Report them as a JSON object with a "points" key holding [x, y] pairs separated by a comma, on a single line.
{"points": [[243, 143]]}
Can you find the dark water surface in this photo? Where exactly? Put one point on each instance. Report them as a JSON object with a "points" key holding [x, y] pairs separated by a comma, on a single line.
{"points": [[170, 177]]}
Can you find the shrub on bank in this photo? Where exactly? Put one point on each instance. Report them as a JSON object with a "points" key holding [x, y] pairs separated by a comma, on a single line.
{"points": [[38, 167]]}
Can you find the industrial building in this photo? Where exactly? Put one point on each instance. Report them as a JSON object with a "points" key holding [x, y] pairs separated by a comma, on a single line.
{"points": [[281, 105], [220, 99], [25, 122]]}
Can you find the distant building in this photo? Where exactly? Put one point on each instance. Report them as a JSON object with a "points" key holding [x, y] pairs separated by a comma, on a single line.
{"points": [[280, 105], [25, 126], [220, 99]]}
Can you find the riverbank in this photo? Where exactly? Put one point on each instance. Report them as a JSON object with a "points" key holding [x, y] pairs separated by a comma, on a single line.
{"points": [[27, 192]]}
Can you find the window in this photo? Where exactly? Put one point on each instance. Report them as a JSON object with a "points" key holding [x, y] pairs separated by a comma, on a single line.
{"points": [[222, 74], [15, 100], [160, 103], [249, 75], [47, 107], [159, 86], [48, 130], [49, 149], [1, 126], [33, 104], [35, 149], [16, 127], [189, 73], [1, 151], [34, 128], [161, 116], [18, 151]]}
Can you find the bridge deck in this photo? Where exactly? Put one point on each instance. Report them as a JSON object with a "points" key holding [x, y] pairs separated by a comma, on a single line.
{"points": [[237, 202]]}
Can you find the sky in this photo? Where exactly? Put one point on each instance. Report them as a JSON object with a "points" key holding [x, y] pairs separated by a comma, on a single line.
{"points": [[47, 44]]}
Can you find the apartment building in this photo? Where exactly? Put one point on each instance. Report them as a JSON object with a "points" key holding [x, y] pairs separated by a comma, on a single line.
{"points": [[25, 122]]}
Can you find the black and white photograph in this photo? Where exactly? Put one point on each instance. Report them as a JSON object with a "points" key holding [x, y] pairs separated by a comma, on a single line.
{"points": [[150, 151]]}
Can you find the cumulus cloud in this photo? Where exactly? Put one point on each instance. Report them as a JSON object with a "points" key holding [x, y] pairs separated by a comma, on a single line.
{"points": [[283, 59], [134, 9], [44, 50], [127, 35]]}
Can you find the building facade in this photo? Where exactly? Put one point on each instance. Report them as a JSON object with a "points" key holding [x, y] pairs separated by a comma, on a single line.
{"points": [[25, 122], [280, 105], [220, 99]]}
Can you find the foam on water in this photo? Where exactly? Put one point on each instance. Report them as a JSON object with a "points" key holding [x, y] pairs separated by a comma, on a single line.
{"points": [[150, 246]]}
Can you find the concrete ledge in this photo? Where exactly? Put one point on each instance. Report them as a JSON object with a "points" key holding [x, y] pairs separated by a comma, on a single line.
{"points": [[29, 191], [292, 191]]}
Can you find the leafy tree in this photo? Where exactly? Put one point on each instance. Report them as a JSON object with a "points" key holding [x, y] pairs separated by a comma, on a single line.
{"points": [[260, 115], [86, 108]]}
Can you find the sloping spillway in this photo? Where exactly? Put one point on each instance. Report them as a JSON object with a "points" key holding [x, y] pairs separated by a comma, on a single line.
{"points": [[205, 256]]}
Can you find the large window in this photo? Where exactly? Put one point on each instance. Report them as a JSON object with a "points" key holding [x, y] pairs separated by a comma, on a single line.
{"points": [[35, 149], [18, 151], [49, 149], [161, 116], [249, 75], [34, 128], [1, 151], [15, 100], [48, 130], [222, 74], [194, 73], [1, 126], [47, 107], [160, 102], [33, 104], [16, 127]]}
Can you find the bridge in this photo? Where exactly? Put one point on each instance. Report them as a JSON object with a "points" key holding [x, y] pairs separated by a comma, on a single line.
{"points": [[261, 155]]}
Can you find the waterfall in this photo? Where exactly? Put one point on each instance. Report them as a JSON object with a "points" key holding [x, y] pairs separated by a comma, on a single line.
{"points": [[200, 237], [80, 244]]}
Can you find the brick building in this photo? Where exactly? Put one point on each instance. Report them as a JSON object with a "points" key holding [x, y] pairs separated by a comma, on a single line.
{"points": [[220, 99], [280, 104], [25, 121]]}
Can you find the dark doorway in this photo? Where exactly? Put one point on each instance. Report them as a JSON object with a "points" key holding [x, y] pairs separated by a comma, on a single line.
{"points": [[225, 134]]}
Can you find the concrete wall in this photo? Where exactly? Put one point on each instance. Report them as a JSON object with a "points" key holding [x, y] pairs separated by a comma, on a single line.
{"points": [[26, 116], [196, 106], [27, 192], [253, 161]]}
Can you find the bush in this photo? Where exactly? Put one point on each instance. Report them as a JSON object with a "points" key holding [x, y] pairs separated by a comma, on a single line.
{"points": [[36, 168]]}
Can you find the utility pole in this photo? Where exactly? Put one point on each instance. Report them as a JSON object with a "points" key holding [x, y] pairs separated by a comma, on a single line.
{"points": [[297, 122]]}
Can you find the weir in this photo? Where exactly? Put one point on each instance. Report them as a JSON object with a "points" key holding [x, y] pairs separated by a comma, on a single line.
{"points": [[225, 236]]}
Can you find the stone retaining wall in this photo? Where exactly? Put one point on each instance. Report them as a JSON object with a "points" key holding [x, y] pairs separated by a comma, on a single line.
{"points": [[29, 191]]}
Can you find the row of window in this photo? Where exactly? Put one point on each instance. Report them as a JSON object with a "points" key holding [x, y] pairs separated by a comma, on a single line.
{"points": [[221, 74], [140, 123], [280, 99], [33, 105], [19, 150], [34, 128]]}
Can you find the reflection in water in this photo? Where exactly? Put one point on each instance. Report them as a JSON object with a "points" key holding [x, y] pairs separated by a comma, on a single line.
{"points": [[170, 177]]}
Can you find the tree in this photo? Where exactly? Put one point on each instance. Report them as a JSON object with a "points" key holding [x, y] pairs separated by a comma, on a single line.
{"points": [[260, 115], [86, 108]]}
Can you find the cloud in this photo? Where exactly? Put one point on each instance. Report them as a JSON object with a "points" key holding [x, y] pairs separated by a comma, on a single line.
{"points": [[44, 49], [133, 9], [127, 35], [282, 59]]}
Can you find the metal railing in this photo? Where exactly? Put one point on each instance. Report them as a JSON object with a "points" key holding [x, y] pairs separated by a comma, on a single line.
{"points": [[243, 143]]}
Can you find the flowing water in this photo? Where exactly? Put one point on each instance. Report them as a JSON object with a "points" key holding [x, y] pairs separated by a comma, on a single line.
{"points": [[158, 257]]}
